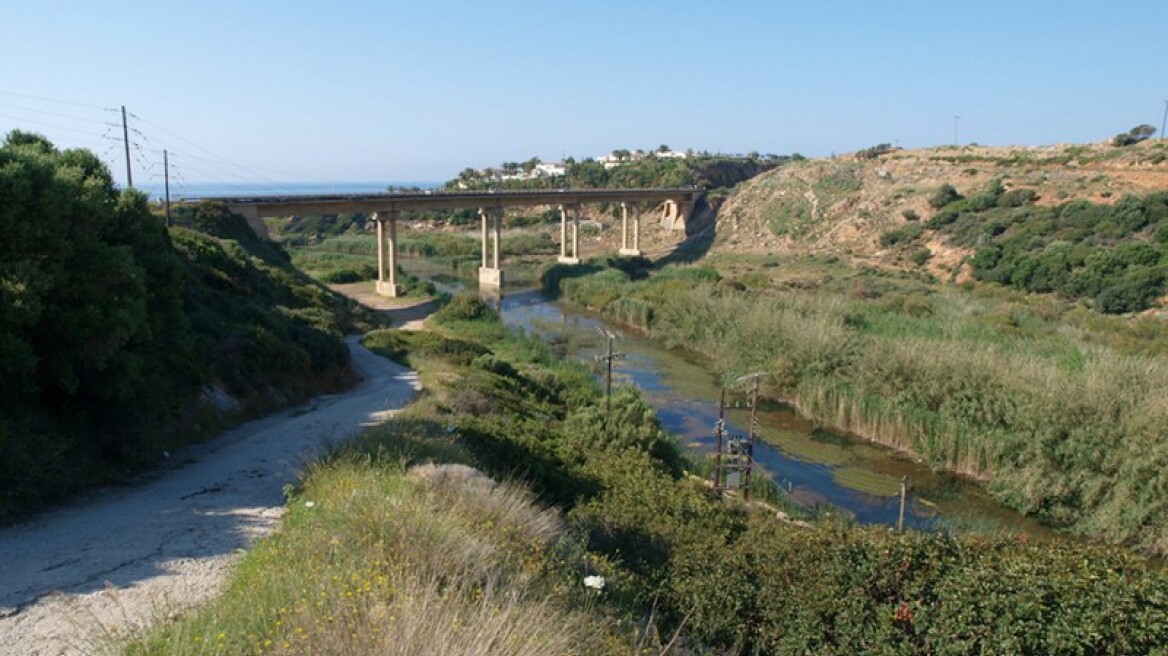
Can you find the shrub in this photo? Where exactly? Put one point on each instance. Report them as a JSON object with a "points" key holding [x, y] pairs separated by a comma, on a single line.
{"points": [[943, 196], [911, 215], [1017, 198], [873, 152], [906, 233], [1134, 292], [465, 307]]}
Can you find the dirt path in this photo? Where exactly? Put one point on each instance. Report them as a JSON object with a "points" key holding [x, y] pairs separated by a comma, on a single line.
{"points": [[70, 579], [406, 313]]}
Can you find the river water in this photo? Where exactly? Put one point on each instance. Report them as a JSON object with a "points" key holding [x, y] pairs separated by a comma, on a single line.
{"points": [[816, 468]]}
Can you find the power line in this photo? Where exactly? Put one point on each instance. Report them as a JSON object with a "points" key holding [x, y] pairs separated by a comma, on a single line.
{"points": [[251, 170], [56, 100], [71, 117], [19, 119]]}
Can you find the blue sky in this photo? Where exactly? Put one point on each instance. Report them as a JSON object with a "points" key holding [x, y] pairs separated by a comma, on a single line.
{"points": [[347, 90]]}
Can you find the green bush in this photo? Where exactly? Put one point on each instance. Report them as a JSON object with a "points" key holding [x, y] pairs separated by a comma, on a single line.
{"points": [[907, 233], [920, 256], [465, 307], [943, 196]]}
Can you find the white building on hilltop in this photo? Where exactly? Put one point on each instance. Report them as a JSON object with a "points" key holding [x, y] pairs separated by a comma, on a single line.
{"points": [[549, 169]]}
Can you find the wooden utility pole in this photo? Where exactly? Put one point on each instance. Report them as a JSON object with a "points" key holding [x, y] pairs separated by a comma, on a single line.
{"points": [[126, 141], [903, 493], [719, 431], [750, 440], [166, 178], [608, 377], [750, 436]]}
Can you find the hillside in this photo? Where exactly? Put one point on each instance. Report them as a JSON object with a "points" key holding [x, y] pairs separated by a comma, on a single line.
{"points": [[121, 339], [843, 206]]}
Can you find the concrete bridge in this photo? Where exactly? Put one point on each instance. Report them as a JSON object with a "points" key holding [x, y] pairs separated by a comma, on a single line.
{"points": [[677, 207]]}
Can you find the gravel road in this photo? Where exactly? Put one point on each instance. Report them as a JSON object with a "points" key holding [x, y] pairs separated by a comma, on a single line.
{"points": [[72, 579]]}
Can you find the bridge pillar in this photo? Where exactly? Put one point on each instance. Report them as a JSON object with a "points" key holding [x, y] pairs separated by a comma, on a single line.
{"points": [[635, 251], [387, 253], [491, 277], [564, 257]]}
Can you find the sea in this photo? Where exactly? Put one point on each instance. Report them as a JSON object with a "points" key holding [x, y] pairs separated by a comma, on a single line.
{"points": [[193, 190]]}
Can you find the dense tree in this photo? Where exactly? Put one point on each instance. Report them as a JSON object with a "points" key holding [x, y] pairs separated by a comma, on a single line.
{"points": [[1134, 136]]}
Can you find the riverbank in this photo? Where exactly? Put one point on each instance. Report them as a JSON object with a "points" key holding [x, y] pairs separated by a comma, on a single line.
{"points": [[1061, 427]]}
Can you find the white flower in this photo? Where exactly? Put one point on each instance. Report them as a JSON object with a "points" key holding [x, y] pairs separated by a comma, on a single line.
{"points": [[309, 504], [594, 582]]}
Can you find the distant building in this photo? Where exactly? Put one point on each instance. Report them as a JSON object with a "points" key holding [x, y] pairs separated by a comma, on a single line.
{"points": [[549, 169], [612, 161]]}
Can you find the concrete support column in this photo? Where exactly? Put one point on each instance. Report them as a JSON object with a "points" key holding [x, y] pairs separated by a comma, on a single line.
{"points": [[380, 250], [576, 232], [564, 257], [387, 253], [498, 221], [483, 218], [393, 251], [624, 227], [491, 277], [637, 228], [635, 251]]}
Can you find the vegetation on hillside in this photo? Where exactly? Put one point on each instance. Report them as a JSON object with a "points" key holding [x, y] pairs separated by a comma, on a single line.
{"points": [[843, 205], [1116, 255], [704, 170], [1061, 411], [372, 546], [115, 333]]}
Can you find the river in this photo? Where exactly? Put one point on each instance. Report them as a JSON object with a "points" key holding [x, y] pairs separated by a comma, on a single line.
{"points": [[816, 468]]}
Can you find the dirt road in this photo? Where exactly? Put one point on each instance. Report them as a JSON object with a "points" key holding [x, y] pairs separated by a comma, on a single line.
{"points": [[71, 578]]}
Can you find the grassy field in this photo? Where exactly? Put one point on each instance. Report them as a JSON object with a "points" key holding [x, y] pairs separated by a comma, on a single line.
{"points": [[390, 554]]}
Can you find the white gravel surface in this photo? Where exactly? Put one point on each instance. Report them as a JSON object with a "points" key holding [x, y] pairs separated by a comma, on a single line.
{"points": [[74, 579]]}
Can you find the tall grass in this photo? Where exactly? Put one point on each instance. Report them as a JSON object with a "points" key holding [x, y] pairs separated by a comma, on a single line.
{"points": [[1061, 428], [379, 558]]}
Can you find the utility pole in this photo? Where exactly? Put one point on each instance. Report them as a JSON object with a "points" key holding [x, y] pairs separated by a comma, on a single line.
{"points": [[608, 377], [753, 431], [719, 431], [956, 118], [166, 178], [1164, 123], [126, 141], [903, 491]]}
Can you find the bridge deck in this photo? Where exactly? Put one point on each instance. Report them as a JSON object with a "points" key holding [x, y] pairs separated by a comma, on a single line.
{"points": [[348, 204]]}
